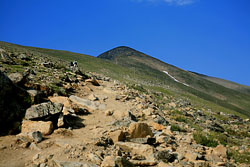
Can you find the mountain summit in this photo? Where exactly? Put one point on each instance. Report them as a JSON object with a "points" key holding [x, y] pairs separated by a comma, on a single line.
{"points": [[124, 51]]}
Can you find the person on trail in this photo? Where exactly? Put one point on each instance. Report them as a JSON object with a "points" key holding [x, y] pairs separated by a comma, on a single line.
{"points": [[74, 63]]}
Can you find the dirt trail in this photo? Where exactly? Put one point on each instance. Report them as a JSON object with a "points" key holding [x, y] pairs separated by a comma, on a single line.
{"points": [[59, 145]]}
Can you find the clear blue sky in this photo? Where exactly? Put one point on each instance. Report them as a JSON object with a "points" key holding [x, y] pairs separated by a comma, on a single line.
{"points": [[211, 37]]}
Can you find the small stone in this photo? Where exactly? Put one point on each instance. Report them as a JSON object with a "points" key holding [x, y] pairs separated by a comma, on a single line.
{"points": [[36, 157], [33, 146], [94, 158], [92, 97], [37, 136], [60, 122], [109, 112]]}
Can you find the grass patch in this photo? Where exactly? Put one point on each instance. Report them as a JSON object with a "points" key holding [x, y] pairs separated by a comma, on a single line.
{"points": [[205, 140], [175, 127]]}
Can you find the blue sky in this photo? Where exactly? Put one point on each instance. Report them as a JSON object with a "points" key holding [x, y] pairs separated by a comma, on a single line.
{"points": [[211, 37]]}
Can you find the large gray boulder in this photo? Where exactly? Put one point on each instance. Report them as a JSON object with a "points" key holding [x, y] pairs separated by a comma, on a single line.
{"points": [[43, 110]]}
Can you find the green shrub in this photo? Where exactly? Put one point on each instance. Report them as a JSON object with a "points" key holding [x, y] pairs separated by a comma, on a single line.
{"points": [[205, 140], [181, 119], [239, 157], [177, 128]]}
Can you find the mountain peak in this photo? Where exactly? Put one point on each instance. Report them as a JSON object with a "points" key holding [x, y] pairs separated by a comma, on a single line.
{"points": [[118, 51]]}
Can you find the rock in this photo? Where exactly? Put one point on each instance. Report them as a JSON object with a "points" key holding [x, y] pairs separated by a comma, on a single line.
{"points": [[61, 99], [163, 139], [139, 130], [122, 162], [201, 163], [172, 105], [37, 136], [13, 101], [143, 163], [74, 164], [36, 96], [135, 148], [43, 110], [17, 78], [191, 156], [94, 158], [161, 120], [109, 112], [33, 146], [146, 140], [87, 103], [23, 57], [221, 151], [45, 128], [104, 141], [157, 126], [93, 81], [109, 161], [163, 164], [118, 135], [92, 97], [165, 156], [5, 58], [60, 122], [216, 127]]}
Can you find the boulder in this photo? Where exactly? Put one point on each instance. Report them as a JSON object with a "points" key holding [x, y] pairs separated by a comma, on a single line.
{"points": [[36, 96], [87, 103], [221, 151], [165, 156], [17, 78], [61, 99], [93, 81], [122, 162], [118, 135], [139, 130], [146, 140], [45, 128], [43, 110], [74, 164], [135, 148], [13, 102], [108, 161], [157, 126]]}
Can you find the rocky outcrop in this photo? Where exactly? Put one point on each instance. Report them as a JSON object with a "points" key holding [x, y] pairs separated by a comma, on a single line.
{"points": [[13, 103]]}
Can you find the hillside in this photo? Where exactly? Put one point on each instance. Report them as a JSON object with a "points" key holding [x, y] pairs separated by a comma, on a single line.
{"points": [[180, 79], [121, 112]]}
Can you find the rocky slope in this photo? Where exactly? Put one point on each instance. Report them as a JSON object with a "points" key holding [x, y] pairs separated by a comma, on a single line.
{"points": [[74, 119]]}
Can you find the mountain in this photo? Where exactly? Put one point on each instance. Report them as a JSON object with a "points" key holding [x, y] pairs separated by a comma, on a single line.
{"points": [[232, 96], [131, 66], [124, 108]]}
